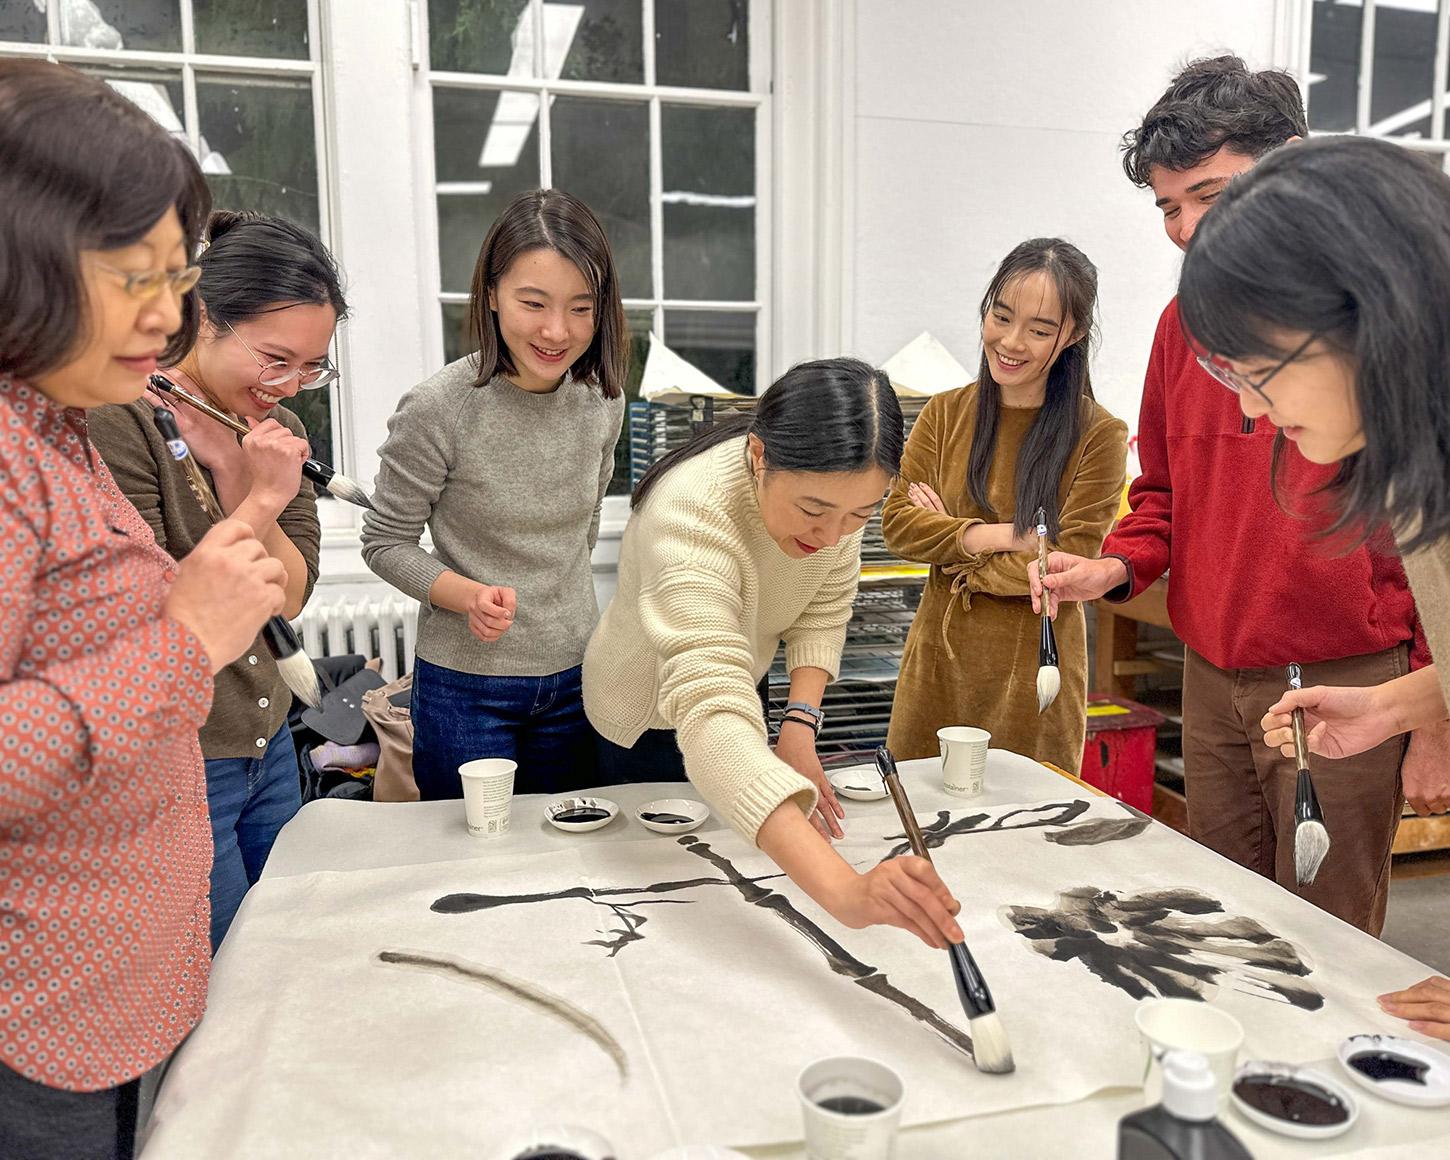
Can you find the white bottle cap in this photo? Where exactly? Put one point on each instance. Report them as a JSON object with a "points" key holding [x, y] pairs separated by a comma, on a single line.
{"points": [[1188, 1088]]}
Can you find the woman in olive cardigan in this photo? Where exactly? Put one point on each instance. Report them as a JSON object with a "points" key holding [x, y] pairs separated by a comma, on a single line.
{"points": [[979, 463]]}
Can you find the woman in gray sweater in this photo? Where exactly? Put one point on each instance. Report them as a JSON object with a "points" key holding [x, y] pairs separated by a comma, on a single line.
{"points": [[505, 456]]}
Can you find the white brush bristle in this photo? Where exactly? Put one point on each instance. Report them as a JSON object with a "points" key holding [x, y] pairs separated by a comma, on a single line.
{"points": [[1049, 684], [990, 1047], [301, 678], [1311, 844], [349, 490]]}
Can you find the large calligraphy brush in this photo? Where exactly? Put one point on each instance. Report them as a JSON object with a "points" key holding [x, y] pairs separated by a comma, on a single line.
{"points": [[328, 478], [991, 1050], [295, 666], [1311, 838], [1049, 676]]}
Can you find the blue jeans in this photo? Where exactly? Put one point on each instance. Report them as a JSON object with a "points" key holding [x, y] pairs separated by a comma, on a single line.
{"points": [[538, 722], [250, 799]]}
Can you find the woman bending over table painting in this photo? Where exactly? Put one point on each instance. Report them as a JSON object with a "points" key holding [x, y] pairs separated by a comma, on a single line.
{"points": [[108, 647], [505, 456], [979, 464], [270, 299], [746, 537]]}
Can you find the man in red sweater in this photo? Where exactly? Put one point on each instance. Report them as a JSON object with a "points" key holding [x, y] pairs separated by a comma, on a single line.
{"points": [[1252, 586]]}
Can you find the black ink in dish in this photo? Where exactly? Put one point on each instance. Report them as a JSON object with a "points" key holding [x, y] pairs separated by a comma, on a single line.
{"points": [[1386, 1065], [580, 814], [1287, 1098], [671, 819]]}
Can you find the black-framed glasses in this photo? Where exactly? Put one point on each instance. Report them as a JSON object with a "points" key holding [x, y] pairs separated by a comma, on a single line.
{"points": [[1238, 383], [149, 283], [274, 374]]}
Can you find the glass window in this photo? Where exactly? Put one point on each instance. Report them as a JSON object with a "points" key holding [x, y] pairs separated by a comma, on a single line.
{"points": [[482, 36], [117, 24], [703, 43], [23, 22], [1334, 66], [598, 40], [708, 157], [275, 28], [721, 343], [1404, 71]]}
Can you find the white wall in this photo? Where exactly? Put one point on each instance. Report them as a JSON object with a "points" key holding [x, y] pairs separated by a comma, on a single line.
{"points": [[982, 123]]}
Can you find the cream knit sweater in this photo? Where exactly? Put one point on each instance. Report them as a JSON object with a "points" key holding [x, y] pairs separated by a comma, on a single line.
{"points": [[705, 597]]}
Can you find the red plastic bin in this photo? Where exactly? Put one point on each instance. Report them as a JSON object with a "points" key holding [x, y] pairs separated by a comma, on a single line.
{"points": [[1122, 738]]}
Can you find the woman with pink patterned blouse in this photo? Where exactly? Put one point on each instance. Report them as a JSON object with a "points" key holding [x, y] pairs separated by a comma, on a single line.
{"points": [[107, 646]]}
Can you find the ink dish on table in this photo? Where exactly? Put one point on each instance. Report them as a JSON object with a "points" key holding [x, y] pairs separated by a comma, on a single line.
{"points": [[578, 815], [1399, 1069], [1293, 1101], [672, 815], [860, 783]]}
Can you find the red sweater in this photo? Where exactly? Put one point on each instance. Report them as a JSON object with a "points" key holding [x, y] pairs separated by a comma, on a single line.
{"points": [[1251, 585]]}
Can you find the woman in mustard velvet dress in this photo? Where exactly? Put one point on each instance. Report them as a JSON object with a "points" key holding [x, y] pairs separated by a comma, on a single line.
{"points": [[979, 463]]}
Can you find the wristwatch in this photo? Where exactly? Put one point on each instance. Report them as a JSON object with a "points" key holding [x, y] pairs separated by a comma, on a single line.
{"points": [[816, 717]]}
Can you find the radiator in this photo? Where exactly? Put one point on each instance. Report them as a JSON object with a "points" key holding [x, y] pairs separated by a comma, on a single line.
{"points": [[386, 628]]}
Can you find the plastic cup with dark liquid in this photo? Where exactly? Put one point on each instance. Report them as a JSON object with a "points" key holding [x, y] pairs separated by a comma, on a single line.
{"points": [[851, 1107]]}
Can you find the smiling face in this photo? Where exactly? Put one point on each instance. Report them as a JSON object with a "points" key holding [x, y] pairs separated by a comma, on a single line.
{"points": [[805, 511], [226, 359], [1310, 399], [1185, 195], [546, 317], [123, 333], [1023, 334]]}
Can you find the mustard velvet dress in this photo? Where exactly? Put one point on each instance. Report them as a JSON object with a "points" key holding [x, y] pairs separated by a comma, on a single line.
{"points": [[971, 654]]}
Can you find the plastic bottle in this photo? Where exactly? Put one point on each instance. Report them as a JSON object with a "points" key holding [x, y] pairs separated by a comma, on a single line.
{"points": [[1185, 1125]]}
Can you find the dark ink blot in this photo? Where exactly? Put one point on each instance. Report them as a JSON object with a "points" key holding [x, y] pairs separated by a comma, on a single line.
{"points": [[945, 826], [1098, 831], [549, 1152], [1153, 944], [1386, 1065], [1287, 1098], [851, 1105], [672, 819], [581, 814]]}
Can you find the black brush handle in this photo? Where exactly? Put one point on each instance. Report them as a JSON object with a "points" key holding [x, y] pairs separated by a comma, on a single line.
{"points": [[281, 641], [1047, 649], [1306, 801], [971, 987]]}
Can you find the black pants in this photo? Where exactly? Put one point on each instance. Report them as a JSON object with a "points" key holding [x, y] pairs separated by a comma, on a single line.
{"points": [[44, 1123], [656, 755]]}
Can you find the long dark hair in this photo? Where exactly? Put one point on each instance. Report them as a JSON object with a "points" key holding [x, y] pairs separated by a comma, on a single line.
{"points": [[837, 414], [1347, 238], [1055, 432], [254, 264], [1213, 102], [83, 169], [550, 219]]}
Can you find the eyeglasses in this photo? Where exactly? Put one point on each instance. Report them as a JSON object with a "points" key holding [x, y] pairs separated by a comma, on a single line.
{"points": [[149, 283], [274, 374], [1237, 383]]}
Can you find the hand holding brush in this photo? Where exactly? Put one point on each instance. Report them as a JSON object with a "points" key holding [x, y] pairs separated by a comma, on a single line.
{"points": [[1049, 676], [1311, 838], [990, 1047]]}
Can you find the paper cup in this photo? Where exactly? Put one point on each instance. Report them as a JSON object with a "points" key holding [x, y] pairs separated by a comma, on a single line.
{"points": [[963, 759], [1188, 1025], [852, 1108], [488, 788]]}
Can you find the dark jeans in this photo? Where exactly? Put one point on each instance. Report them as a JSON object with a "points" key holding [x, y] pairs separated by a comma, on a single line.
{"points": [[656, 755], [44, 1123], [250, 799], [538, 722]]}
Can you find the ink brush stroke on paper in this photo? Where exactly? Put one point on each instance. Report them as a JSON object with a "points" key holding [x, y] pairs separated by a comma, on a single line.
{"points": [[460, 970]]}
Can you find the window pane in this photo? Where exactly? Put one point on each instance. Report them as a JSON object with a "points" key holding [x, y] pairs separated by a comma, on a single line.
{"points": [[23, 22], [482, 36], [640, 322], [708, 162], [456, 339], [314, 408], [1334, 56], [598, 40], [257, 146], [157, 91], [720, 342], [702, 43], [276, 28], [601, 155], [135, 24], [1404, 71]]}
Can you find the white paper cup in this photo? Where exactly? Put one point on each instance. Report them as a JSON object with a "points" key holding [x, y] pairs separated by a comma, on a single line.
{"points": [[842, 1135], [963, 759], [488, 789], [1187, 1025]]}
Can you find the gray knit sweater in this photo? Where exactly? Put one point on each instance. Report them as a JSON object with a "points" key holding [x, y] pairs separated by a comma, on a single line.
{"points": [[510, 485]]}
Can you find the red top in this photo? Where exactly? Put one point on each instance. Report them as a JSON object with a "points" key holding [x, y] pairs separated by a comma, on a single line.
{"points": [[105, 846], [1251, 585]]}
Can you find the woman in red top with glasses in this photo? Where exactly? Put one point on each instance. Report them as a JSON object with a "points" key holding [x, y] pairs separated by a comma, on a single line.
{"points": [[269, 300], [107, 647]]}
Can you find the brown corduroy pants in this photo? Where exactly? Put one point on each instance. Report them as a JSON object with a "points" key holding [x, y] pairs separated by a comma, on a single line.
{"points": [[1241, 792]]}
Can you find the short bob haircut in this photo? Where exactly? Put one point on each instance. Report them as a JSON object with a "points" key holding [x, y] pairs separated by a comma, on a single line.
{"points": [[1347, 238], [550, 219], [83, 169]]}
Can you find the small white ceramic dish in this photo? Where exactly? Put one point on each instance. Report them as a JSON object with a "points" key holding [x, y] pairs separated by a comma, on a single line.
{"points": [[1309, 1077], [671, 815], [557, 813], [860, 783], [562, 1139], [1430, 1090]]}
